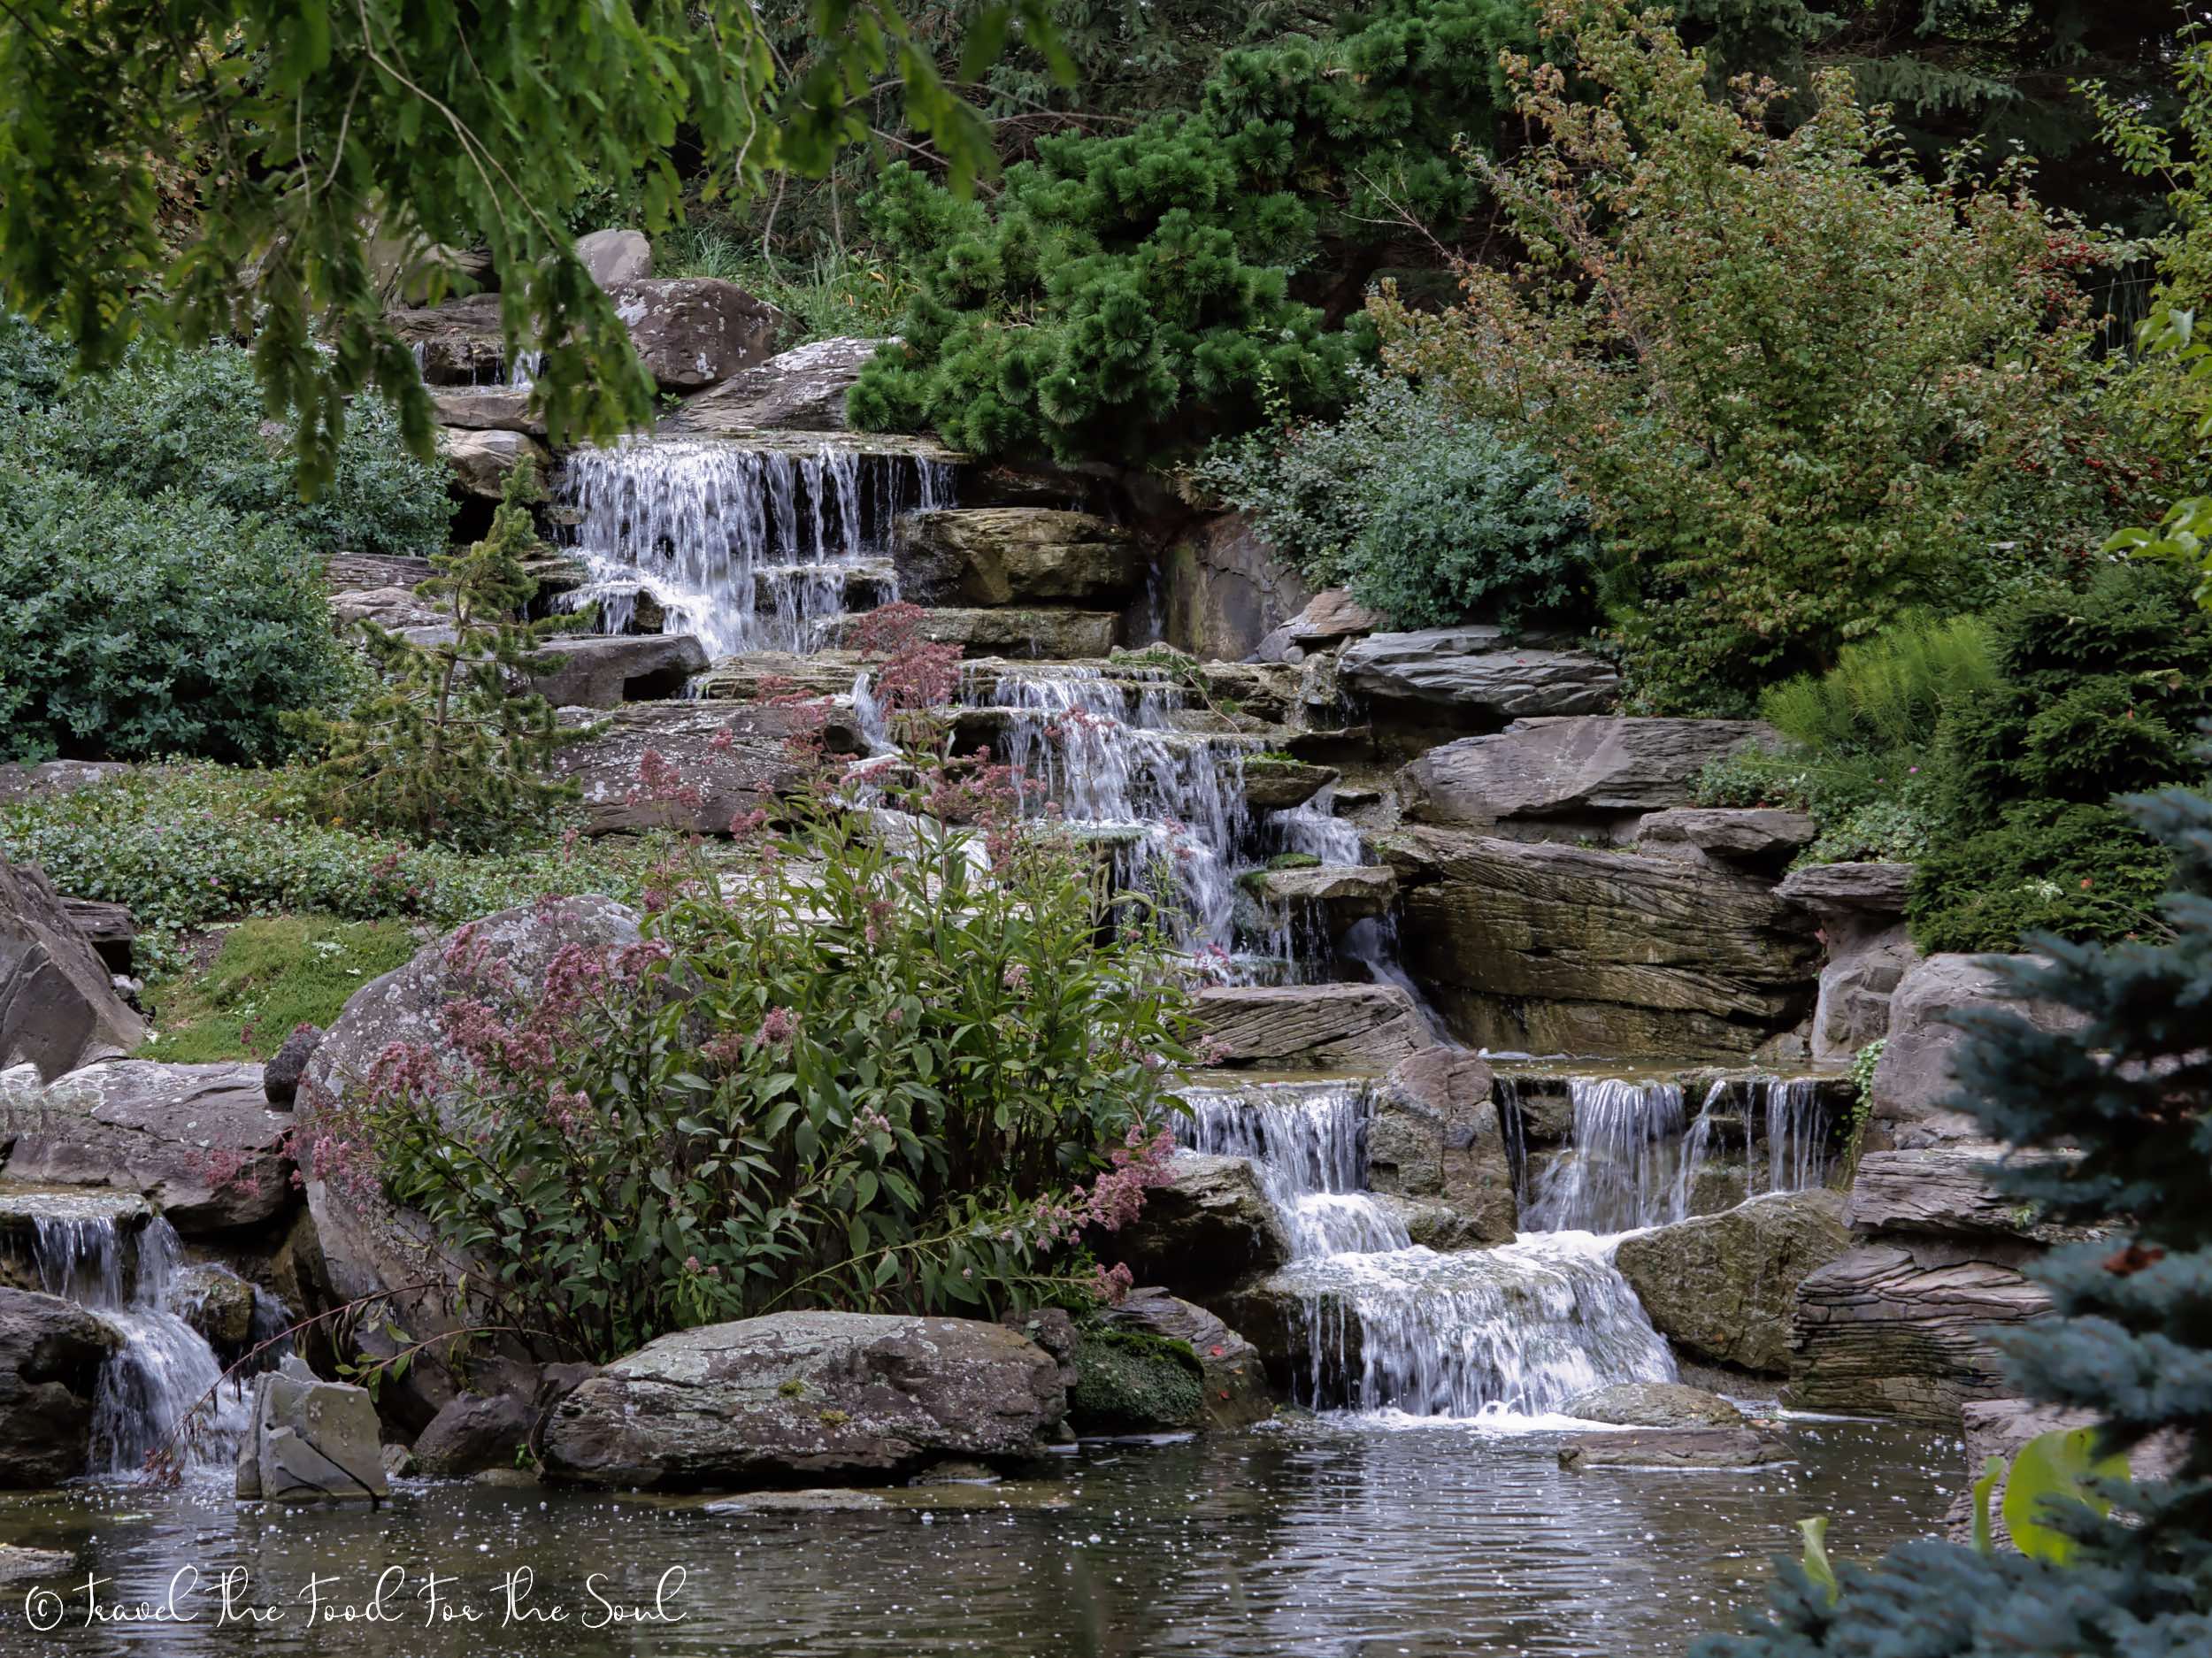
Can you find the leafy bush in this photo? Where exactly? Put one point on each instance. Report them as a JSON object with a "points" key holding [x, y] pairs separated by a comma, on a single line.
{"points": [[1883, 808], [2069, 868], [1424, 512], [888, 1063], [134, 626]]}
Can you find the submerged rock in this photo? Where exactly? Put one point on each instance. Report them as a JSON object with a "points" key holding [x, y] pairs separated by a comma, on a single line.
{"points": [[1676, 1447], [1723, 1288], [51, 1354], [764, 1401], [1655, 1405], [310, 1441]]}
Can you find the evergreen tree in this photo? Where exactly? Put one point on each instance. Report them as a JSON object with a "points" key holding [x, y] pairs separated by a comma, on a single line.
{"points": [[450, 746]]}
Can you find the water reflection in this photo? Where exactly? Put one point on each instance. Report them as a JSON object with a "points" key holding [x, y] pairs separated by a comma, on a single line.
{"points": [[1339, 1539]]}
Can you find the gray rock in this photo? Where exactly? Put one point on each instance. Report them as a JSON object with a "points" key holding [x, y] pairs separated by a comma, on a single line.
{"points": [[461, 343], [803, 389], [1871, 889], [1434, 1133], [57, 1004], [51, 1354], [26, 1565], [489, 409], [1724, 1288], [1025, 632], [605, 670], [1754, 838], [729, 761], [281, 1077], [1675, 1448], [200, 1142], [1310, 1027], [1208, 1227], [110, 929], [1912, 1089], [399, 1463], [992, 556], [1338, 895], [1476, 674], [1655, 1405], [22, 780], [1860, 907], [1944, 1190], [616, 258], [1226, 591], [1329, 617], [1276, 783], [693, 331], [366, 1247], [1546, 948], [481, 458], [217, 1302], [310, 1441], [767, 1401], [395, 610], [1558, 778], [1235, 1380], [471, 1434]]}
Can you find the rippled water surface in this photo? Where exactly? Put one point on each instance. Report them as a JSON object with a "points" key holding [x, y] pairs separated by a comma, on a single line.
{"points": [[1334, 1540]]}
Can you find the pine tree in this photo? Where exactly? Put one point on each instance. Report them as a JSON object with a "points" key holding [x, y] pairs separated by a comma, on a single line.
{"points": [[451, 745]]}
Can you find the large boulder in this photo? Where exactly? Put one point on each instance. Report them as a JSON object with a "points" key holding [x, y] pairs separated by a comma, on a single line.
{"points": [[202, 1142], [605, 670], [1723, 1288], [1210, 1225], [1329, 617], [616, 258], [693, 331], [1476, 676], [1569, 777], [59, 1007], [310, 1441], [471, 1434], [803, 389], [807, 1397], [1310, 1027], [366, 1247], [1434, 1132], [1235, 1380], [1548, 948], [1752, 837], [1897, 1331], [726, 762], [1909, 1095], [1862, 912], [51, 1354], [1016, 555], [481, 458], [1945, 1191]]}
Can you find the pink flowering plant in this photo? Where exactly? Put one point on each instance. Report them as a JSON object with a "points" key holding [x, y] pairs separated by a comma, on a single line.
{"points": [[900, 1052]]}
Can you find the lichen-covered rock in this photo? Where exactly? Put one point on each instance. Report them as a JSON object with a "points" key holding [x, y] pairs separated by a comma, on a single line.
{"points": [[217, 1302], [797, 1396], [1477, 675], [1655, 1405], [1550, 948], [1016, 555], [200, 1142], [51, 1354], [1723, 1288], [1310, 1027], [1235, 1381], [605, 670], [1909, 1095], [616, 257], [57, 1004], [1434, 1132], [693, 331], [1675, 1448], [1208, 1227], [310, 1441], [483, 458]]}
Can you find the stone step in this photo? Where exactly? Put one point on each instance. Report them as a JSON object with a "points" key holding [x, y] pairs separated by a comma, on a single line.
{"points": [[1310, 1027], [1342, 894], [1020, 632]]}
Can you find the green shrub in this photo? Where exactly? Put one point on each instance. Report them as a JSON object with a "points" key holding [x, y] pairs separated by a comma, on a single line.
{"points": [[2078, 870], [1424, 512], [1882, 808], [270, 974], [1885, 693], [134, 626]]}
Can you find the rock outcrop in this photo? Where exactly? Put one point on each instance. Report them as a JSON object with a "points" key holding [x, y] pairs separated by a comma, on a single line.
{"points": [[1310, 1027], [58, 1004], [51, 1354], [1548, 948], [605, 670], [1754, 840], [1862, 911], [1723, 1288], [800, 390], [1912, 1086], [1208, 1227], [690, 332], [1235, 1381], [1434, 1133], [1225, 589], [1654, 1405], [310, 1441], [1475, 676], [993, 555], [797, 1397]]}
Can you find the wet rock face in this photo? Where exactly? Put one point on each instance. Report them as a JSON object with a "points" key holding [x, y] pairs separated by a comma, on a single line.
{"points": [[218, 1303], [1723, 1288], [57, 1005], [311, 1441], [992, 556], [1210, 1226], [1655, 1405], [692, 331], [1477, 676], [1311, 1027], [1434, 1133], [200, 1142], [792, 1398], [51, 1354], [458, 344]]}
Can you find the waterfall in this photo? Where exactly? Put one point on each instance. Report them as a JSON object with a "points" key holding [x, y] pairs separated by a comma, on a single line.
{"points": [[149, 1389], [748, 548], [1619, 1174], [1388, 1324], [1796, 1133], [1315, 830]]}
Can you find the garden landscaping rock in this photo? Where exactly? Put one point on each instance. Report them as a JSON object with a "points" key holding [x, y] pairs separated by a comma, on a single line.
{"points": [[797, 1396], [1434, 1132], [1862, 910], [1723, 1288], [281, 1077], [1558, 779], [22, 780], [1654, 1405], [1310, 1027], [1476, 675], [1329, 617], [729, 761], [110, 929], [59, 1007], [200, 1142], [1545, 948], [482, 459], [310, 1441], [1208, 1227], [994, 556], [603, 671], [1911, 1094], [1676, 1447], [1751, 838], [461, 343], [395, 609], [1945, 1190], [489, 409], [51, 1354], [1026, 633], [1340, 894], [692, 331], [218, 1303], [615, 257], [1225, 590], [1235, 1381], [1130, 1381], [472, 1433], [803, 389], [1277, 782]]}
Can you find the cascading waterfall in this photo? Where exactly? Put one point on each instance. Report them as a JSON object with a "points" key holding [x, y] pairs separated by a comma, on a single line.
{"points": [[165, 1368], [748, 548], [1388, 1324], [1796, 1133]]}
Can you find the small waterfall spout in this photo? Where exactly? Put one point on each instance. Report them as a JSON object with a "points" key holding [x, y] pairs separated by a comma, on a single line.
{"points": [[1619, 1174]]}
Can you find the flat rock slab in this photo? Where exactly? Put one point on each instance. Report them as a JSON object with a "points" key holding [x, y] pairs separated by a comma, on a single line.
{"points": [[1574, 773], [488, 409], [1753, 837], [1675, 1449], [1475, 672], [1874, 889], [602, 670], [803, 389], [911, 1500], [27, 1565], [1277, 782], [1654, 1405], [1027, 633], [1318, 1027], [22, 780], [1945, 1189], [1343, 894]]}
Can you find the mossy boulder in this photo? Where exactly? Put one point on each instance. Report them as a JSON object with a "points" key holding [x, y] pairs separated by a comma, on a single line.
{"points": [[1129, 1381]]}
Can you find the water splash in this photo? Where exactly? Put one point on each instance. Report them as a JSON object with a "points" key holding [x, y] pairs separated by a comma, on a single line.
{"points": [[1315, 830], [748, 548], [1796, 1133], [1307, 1141]]}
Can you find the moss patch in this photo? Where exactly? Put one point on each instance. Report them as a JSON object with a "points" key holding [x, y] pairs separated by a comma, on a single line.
{"points": [[271, 973], [1126, 1381]]}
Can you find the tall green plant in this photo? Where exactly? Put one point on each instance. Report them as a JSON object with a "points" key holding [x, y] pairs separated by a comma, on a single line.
{"points": [[1885, 695]]}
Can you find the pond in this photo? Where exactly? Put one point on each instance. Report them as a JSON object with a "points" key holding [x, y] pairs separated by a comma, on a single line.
{"points": [[1337, 1536]]}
